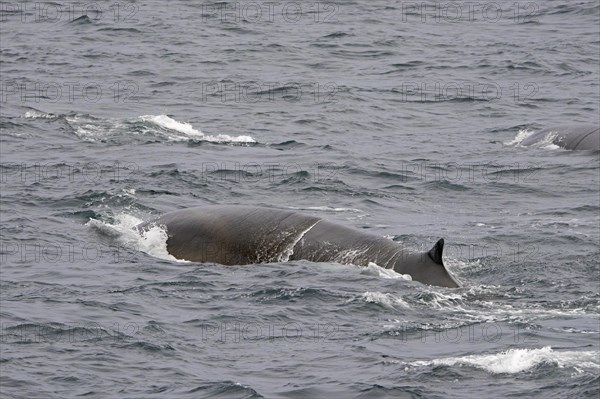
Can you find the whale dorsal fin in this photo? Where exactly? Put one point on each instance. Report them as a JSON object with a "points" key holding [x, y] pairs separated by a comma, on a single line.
{"points": [[436, 252]]}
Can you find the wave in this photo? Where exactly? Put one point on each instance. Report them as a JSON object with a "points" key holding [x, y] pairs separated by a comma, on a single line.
{"points": [[515, 361], [145, 127], [35, 114], [385, 299], [186, 131]]}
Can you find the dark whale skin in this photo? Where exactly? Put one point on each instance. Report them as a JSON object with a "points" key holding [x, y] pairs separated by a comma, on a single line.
{"points": [[239, 235], [579, 137]]}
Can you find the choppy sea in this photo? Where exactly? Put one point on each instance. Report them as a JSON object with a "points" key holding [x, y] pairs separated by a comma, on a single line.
{"points": [[400, 118]]}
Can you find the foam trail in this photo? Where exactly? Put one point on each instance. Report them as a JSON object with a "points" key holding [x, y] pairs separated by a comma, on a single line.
{"points": [[515, 361], [188, 130], [34, 114]]}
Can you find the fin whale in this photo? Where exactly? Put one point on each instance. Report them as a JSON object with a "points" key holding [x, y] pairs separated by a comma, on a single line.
{"points": [[238, 235], [577, 137]]}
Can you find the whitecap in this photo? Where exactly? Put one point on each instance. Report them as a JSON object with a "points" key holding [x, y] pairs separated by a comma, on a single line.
{"points": [[185, 130], [518, 360], [384, 299]]}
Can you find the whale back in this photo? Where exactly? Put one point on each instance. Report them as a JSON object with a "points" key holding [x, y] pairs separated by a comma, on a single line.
{"points": [[232, 235], [327, 242], [428, 267], [579, 137], [239, 235]]}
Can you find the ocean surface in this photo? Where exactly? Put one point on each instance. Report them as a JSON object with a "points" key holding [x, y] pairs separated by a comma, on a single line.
{"points": [[400, 118]]}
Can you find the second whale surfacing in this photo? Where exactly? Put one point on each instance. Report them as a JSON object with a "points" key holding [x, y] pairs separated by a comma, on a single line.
{"points": [[570, 137], [239, 235]]}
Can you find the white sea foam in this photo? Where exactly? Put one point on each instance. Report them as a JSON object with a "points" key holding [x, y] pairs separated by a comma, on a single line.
{"points": [[376, 270], [91, 128], [183, 130], [521, 135], [153, 241], [468, 309], [445, 300], [331, 209], [384, 299], [546, 142], [38, 115], [518, 360]]}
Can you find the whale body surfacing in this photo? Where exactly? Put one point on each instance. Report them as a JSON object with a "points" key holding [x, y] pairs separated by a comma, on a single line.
{"points": [[239, 235], [570, 137]]}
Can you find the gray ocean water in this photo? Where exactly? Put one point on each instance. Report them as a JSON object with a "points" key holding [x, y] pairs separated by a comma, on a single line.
{"points": [[400, 118]]}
